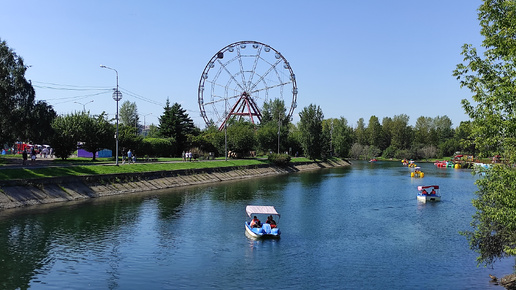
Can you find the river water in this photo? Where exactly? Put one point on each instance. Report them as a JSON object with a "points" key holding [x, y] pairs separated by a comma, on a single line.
{"points": [[358, 227]]}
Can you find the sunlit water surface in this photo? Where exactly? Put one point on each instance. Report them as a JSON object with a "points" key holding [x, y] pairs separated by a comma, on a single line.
{"points": [[359, 227]]}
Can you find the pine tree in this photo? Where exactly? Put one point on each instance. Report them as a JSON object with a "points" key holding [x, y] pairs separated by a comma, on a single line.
{"points": [[175, 123]]}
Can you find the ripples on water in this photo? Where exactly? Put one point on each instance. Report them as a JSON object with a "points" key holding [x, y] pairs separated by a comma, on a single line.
{"points": [[355, 228]]}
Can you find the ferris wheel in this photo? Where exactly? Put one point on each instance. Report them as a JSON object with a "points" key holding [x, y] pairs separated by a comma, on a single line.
{"points": [[240, 78]]}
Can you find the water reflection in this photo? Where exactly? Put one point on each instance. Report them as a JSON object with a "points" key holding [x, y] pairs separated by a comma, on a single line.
{"points": [[31, 242]]}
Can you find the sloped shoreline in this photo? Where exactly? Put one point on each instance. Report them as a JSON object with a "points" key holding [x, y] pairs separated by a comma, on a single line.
{"points": [[23, 193]]}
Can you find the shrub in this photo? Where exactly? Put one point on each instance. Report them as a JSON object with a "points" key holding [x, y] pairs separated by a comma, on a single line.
{"points": [[389, 152], [159, 147], [279, 159]]}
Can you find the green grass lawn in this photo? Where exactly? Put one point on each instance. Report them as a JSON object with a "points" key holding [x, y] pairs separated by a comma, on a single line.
{"points": [[110, 168], [85, 166]]}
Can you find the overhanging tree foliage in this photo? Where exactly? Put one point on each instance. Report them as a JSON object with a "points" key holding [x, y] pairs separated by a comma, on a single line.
{"points": [[21, 119], [492, 80]]}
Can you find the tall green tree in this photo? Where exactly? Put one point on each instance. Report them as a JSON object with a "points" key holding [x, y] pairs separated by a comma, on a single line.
{"points": [[241, 137], [387, 126], [463, 135], [274, 122], [41, 119], [342, 137], [176, 123], [128, 139], [491, 79], [422, 130], [310, 127], [17, 99], [267, 137], [374, 132], [401, 132], [443, 126], [96, 132], [66, 134], [361, 133], [129, 114], [153, 131]]}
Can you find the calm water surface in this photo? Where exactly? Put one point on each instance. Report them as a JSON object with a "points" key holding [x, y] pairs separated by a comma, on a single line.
{"points": [[359, 227]]}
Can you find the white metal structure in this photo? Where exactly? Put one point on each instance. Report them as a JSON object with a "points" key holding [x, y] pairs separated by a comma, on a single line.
{"points": [[240, 78]]}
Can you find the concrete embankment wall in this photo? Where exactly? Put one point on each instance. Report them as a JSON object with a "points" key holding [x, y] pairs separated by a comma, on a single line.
{"points": [[20, 193]]}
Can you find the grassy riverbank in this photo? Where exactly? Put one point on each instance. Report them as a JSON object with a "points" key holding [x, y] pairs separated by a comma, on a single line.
{"points": [[71, 167]]}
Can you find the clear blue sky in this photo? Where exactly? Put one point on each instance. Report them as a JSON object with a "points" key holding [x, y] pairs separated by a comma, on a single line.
{"points": [[354, 59]]}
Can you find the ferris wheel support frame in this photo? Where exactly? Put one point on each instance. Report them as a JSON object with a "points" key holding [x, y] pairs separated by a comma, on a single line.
{"points": [[239, 109]]}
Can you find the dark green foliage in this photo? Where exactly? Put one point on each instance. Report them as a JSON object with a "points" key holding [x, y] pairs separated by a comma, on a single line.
{"points": [[241, 137], [21, 119], [203, 143], [389, 152], [310, 127], [374, 132], [158, 147], [491, 80], [66, 134], [494, 223], [128, 138], [175, 123], [41, 123], [267, 137], [341, 137], [448, 147], [96, 133], [273, 121], [293, 141], [279, 159]]}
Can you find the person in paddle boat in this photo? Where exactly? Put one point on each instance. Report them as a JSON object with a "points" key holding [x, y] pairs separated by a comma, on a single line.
{"points": [[424, 192], [255, 223], [433, 191], [271, 221]]}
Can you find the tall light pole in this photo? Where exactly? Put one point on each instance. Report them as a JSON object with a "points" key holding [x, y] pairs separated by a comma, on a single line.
{"points": [[279, 128], [144, 122], [225, 131], [117, 96], [84, 105]]}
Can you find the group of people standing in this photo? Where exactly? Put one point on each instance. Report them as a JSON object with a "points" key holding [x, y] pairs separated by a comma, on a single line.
{"points": [[131, 157], [187, 156], [33, 154]]}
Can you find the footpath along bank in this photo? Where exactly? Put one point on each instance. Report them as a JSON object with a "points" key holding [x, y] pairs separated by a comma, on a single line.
{"points": [[21, 193]]}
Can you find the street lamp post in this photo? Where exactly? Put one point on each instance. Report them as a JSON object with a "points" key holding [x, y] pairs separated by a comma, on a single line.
{"points": [[84, 105], [144, 122], [279, 129], [117, 96], [225, 131]]}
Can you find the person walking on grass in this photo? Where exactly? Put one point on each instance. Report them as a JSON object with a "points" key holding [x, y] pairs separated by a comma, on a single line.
{"points": [[129, 156]]}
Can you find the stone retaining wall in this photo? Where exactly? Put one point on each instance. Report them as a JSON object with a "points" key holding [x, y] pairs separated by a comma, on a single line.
{"points": [[20, 193]]}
